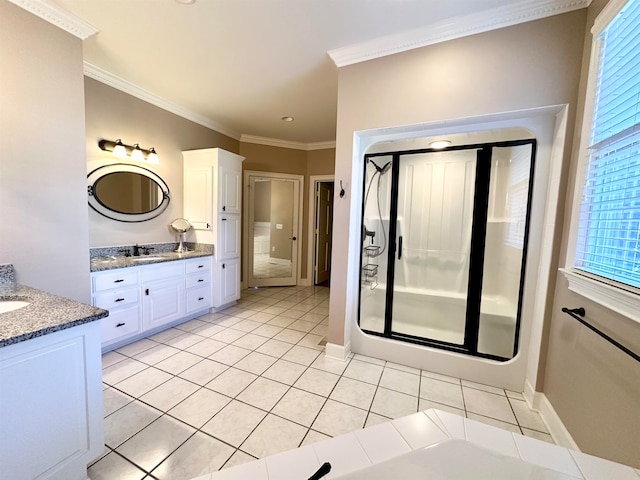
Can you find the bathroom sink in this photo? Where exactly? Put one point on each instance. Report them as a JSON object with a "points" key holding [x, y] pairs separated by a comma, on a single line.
{"points": [[104, 259], [145, 259], [11, 305]]}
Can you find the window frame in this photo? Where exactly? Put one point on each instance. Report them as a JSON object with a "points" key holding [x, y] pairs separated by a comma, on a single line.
{"points": [[620, 298]]}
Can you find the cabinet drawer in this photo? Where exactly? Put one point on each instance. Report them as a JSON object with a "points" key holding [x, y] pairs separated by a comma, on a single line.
{"points": [[120, 324], [198, 299], [198, 280], [116, 298], [161, 271], [202, 264], [123, 277]]}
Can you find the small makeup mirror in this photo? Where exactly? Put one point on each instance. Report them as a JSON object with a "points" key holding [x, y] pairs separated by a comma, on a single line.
{"points": [[181, 226]]}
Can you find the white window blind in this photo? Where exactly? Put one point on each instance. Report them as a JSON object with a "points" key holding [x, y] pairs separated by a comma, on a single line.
{"points": [[608, 242], [518, 196]]}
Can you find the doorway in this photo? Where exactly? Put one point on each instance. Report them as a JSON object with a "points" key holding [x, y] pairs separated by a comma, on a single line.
{"points": [[321, 191], [272, 226]]}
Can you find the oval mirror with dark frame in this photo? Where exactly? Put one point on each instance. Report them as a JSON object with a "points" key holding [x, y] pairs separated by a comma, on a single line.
{"points": [[127, 193]]}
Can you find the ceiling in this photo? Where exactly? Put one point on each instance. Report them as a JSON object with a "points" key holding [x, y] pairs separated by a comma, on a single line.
{"points": [[241, 65]]}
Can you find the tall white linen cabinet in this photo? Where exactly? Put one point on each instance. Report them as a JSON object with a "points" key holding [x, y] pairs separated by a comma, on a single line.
{"points": [[213, 205]]}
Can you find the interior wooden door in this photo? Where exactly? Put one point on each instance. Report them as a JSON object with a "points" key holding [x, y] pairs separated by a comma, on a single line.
{"points": [[324, 226]]}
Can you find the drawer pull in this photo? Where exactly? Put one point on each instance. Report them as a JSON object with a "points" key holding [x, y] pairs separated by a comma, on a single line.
{"points": [[121, 324], [200, 298], [119, 300], [200, 280], [200, 266], [119, 280], [223, 265], [146, 291]]}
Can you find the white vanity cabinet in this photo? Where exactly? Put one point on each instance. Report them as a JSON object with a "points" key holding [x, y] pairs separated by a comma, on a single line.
{"points": [[228, 245], [145, 299], [228, 288], [162, 289], [51, 416], [198, 207], [213, 204], [230, 183], [117, 291], [198, 285]]}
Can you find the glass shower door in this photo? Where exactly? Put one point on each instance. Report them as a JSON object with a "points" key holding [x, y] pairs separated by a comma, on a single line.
{"points": [[444, 239], [375, 244], [433, 237], [505, 247]]}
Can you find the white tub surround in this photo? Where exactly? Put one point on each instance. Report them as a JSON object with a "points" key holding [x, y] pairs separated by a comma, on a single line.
{"points": [[440, 315], [356, 455]]}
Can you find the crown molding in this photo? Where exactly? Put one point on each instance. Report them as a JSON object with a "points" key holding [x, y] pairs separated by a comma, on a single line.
{"points": [[274, 142], [125, 86], [57, 16], [453, 28]]}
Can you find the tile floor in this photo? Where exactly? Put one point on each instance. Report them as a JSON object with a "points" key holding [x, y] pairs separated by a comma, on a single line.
{"points": [[251, 381]]}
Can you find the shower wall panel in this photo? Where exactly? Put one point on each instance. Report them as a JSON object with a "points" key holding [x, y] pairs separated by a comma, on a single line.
{"points": [[435, 213]]}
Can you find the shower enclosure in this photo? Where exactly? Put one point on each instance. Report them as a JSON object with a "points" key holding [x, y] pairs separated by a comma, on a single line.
{"points": [[444, 237]]}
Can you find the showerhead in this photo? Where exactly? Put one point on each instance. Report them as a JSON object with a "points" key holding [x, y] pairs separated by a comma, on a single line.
{"points": [[382, 170]]}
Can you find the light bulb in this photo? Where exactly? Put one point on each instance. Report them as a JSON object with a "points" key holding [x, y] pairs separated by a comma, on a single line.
{"points": [[119, 150], [137, 153], [153, 156]]}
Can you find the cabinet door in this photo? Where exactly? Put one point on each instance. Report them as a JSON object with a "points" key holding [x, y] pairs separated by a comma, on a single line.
{"points": [[228, 237], [228, 281], [198, 197], [229, 190], [198, 298], [121, 323], [51, 405], [162, 302]]}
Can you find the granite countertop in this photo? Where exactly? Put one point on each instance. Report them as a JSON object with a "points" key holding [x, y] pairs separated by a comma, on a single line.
{"points": [[46, 313], [99, 264]]}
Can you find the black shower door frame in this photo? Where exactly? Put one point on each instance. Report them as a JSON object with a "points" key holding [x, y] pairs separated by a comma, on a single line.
{"points": [[477, 248]]}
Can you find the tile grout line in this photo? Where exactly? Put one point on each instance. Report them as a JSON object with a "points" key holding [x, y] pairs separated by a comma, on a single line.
{"points": [[246, 305]]}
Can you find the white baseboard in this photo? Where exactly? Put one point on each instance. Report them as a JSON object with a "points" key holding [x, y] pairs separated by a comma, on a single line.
{"points": [[339, 352], [538, 401]]}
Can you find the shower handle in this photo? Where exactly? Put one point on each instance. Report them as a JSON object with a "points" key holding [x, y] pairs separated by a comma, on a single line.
{"points": [[400, 247]]}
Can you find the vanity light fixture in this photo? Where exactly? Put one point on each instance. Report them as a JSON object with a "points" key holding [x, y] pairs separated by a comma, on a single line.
{"points": [[121, 150]]}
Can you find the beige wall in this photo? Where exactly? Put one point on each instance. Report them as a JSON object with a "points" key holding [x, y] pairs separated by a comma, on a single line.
{"points": [[112, 114], [43, 202], [530, 65], [265, 158], [592, 386]]}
